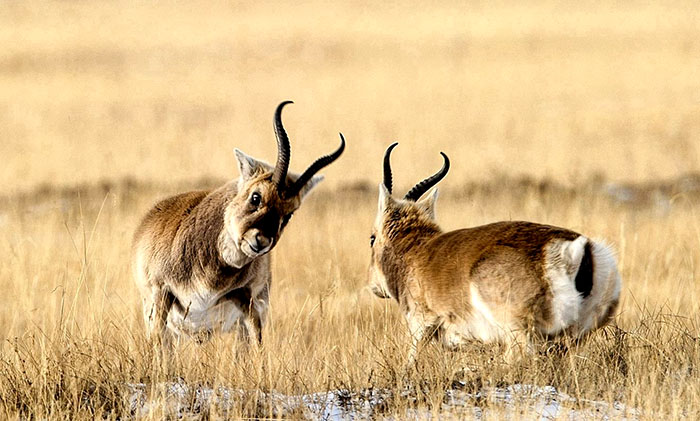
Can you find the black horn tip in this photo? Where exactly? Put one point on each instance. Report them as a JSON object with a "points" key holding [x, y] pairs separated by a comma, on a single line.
{"points": [[388, 179], [319, 164], [283, 103], [387, 153], [419, 189], [278, 111], [447, 161]]}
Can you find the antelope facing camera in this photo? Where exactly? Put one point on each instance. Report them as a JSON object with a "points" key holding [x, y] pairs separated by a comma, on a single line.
{"points": [[201, 259]]}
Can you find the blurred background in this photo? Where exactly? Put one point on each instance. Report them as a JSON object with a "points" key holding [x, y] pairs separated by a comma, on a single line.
{"points": [[565, 90], [582, 114]]}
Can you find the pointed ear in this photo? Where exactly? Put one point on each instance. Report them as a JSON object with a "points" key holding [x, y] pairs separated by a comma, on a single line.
{"points": [[249, 166], [246, 163], [427, 204], [315, 180], [385, 199]]}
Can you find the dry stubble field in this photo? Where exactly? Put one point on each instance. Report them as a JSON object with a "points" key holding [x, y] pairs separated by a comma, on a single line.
{"points": [[577, 114]]}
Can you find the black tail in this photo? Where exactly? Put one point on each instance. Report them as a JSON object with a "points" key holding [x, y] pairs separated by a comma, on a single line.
{"points": [[584, 277]]}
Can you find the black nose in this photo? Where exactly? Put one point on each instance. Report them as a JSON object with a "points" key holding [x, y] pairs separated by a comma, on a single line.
{"points": [[260, 243]]}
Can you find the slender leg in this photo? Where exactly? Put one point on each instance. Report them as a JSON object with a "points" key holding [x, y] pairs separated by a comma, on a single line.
{"points": [[422, 329], [518, 344], [254, 309], [416, 341], [253, 326], [257, 315], [156, 309]]}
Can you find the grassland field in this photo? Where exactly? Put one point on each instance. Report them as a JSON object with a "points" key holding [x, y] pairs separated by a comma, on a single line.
{"points": [[578, 114]]}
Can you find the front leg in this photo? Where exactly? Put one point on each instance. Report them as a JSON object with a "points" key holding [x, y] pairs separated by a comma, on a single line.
{"points": [[257, 315], [422, 327], [156, 307], [253, 309], [253, 325]]}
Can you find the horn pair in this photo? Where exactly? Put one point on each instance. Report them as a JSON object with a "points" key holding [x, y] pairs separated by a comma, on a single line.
{"points": [[419, 189], [279, 176]]}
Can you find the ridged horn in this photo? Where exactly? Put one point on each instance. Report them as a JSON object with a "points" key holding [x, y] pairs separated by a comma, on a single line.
{"points": [[279, 177], [387, 167], [314, 168], [419, 189]]}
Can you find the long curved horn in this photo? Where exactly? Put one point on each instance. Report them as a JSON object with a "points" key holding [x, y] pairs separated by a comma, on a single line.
{"points": [[283, 149], [387, 167], [314, 168], [417, 191]]}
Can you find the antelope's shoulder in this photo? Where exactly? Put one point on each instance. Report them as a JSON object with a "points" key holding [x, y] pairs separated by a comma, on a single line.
{"points": [[163, 219]]}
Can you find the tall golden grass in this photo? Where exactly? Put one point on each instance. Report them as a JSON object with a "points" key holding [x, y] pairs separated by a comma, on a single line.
{"points": [[539, 106]]}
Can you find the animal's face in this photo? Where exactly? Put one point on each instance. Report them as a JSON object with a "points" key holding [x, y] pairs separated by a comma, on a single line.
{"points": [[378, 282], [377, 243], [399, 227], [258, 214]]}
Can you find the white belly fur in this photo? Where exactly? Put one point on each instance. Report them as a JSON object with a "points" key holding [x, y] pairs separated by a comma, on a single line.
{"points": [[202, 314], [482, 325]]}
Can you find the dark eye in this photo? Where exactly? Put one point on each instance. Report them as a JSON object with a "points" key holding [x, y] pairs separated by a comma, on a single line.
{"points": [[371, 240], [255, 199]]}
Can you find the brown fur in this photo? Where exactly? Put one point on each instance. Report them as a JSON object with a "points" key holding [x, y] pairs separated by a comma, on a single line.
{"points": [[433, 275], [191, 254], [201, 258]]}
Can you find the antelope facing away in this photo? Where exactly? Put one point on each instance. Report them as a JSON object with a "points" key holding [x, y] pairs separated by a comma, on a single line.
{"points": [[496, 282], [201, 258]]}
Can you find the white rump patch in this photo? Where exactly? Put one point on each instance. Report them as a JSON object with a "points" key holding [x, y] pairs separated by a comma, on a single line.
{"points": [[605, 270], [606, 287], [574, 251], [562, 262]]}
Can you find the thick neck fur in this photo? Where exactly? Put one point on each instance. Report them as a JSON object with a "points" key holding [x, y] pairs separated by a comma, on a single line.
{"points": [[406, 227], [199, 238], [406, 230]]}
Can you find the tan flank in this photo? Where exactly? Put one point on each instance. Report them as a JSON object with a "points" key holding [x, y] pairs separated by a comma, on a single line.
{"points": [[201, 259], [497, 282]]}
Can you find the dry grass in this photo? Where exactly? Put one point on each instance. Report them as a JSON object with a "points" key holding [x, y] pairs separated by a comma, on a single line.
{"points": [[574, 93]]}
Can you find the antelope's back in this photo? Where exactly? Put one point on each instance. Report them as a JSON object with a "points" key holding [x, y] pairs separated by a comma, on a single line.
{"points": [[504, 259], [470, 246]]}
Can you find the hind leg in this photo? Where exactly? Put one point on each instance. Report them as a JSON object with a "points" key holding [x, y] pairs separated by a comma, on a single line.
{"points": [[518, 344]]}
